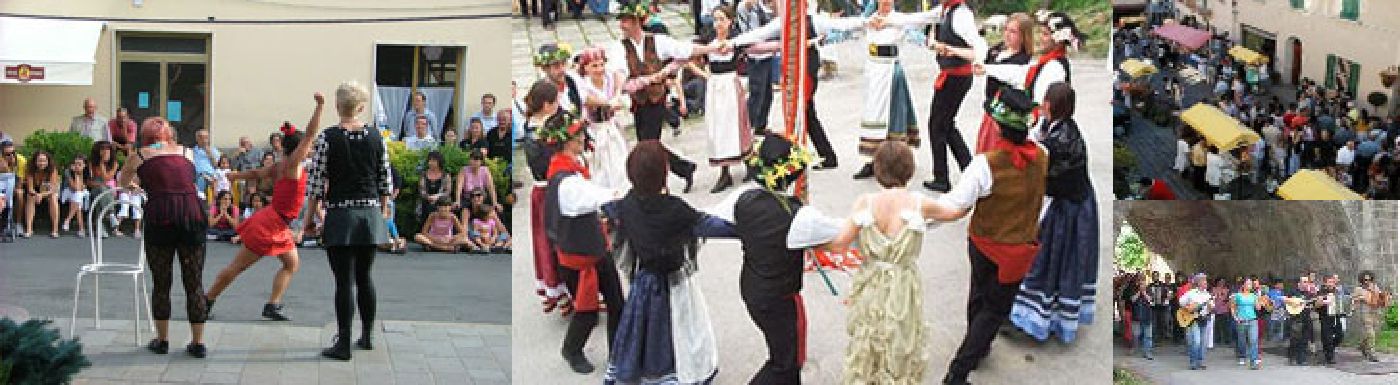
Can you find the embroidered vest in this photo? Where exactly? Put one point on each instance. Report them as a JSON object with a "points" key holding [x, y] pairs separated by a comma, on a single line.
{"points": [[1011, 213], [648, 64]]}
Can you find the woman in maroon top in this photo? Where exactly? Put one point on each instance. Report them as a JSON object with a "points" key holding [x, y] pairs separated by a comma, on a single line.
{"points": [[175, 224]]}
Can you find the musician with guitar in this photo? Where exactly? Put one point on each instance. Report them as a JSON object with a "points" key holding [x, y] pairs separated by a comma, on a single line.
{"points": [[1368, 300], [1195, 304], [1299, 325]]}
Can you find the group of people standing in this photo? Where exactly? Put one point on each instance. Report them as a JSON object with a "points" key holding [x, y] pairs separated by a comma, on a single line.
{"points": [[1310, 315], [599, 203]]}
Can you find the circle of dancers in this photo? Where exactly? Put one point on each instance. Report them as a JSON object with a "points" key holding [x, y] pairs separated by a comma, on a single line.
{"points": [[603, 215]]}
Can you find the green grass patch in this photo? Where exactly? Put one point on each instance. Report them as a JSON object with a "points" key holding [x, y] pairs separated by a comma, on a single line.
{"points": [[1385, 341], [1125, 377]]}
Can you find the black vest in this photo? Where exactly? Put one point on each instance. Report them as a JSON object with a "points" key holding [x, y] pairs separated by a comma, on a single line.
{"points": [[994, 85], [770, 270], [814, 57], [352, 166], [576, 235], [573, 95], [944, 33]]}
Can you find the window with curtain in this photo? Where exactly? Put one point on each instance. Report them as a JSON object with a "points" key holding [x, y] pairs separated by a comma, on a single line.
{"points": [[1351, 9]]}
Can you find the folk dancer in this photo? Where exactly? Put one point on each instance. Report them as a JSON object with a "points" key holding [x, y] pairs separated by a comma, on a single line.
{"points": [[955, 29], [889, 109]]}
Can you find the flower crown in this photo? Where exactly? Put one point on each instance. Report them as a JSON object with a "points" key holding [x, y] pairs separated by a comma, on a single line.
{"points": [[639, 8], [558, 130], [546, 56], [797, 159]]}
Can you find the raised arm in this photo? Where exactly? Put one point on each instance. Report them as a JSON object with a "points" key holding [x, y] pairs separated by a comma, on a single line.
{"points": [[313, 128]]}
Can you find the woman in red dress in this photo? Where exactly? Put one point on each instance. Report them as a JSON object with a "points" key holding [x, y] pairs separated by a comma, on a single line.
{"points": [[266, 233]]}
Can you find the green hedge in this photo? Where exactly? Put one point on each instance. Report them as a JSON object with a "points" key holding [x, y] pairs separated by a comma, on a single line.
{"points": [[64, 146], [410, 164]]}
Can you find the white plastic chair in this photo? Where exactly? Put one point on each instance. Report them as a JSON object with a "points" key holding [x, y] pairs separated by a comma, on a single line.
{"points": [[100, 266]]}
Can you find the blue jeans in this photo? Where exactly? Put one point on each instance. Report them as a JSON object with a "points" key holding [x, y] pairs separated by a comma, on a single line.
{"points": [[1195, 347], [1247, 332], [1142, 333]]}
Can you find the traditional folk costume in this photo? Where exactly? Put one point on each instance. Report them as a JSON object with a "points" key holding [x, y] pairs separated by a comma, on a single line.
{"points": [[637, 59], [770, 279], [957, 29], [1050, 68], [608, 160], [537, 155], [1006, 186], [726, 112], [572, 205], [889, 108], [570, 97], [817, 24], [665, 334], [990, 131]]}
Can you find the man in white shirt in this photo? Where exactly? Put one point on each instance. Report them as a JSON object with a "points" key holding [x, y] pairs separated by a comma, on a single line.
{"points": [[422, 140], [640, 57], [956, 29], [487, 115], [90, 124], [817, 25], [1197, 301]]}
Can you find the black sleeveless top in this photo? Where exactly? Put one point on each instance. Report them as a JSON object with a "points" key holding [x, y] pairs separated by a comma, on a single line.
{"points": [[576, 235], [353, 165], [944, 33], [994, 85]]}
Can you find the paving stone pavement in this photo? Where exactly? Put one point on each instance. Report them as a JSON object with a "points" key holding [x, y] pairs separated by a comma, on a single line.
{"points": [[1170, 367], [405, 352], [944, 266]]}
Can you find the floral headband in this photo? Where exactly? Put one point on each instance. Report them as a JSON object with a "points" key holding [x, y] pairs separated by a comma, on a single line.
{"points": [[550, 54], [558, 131], [1062, 28], [797, 160], [640, 9]]}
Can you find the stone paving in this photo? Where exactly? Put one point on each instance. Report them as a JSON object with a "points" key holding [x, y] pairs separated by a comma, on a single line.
{"points": [[537, 337], [1170, 367]]}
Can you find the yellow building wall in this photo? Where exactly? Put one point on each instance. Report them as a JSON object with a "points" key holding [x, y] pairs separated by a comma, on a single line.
{"points": [[260, 74]]}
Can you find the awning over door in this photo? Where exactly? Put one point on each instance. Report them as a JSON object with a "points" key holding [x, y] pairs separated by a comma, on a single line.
{"points": [[47, 51]]}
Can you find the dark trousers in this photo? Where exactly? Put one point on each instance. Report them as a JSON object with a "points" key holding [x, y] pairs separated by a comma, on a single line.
{"points": [[575, 8], [1331, 336], [582, 323], [649, 119], [529, 7], [760, 92], [350, 265], [778, 318], [1165, 325], [549, 12], [814, 124], [191, 260], [992, 303], [696, 13], [943, 131], [1224, 329]]}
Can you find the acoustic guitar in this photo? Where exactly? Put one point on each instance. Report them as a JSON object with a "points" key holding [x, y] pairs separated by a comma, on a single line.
{"points": [[1185, 317]]}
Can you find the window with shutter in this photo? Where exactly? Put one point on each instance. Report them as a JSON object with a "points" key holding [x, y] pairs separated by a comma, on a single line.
{"points": [[1351, 9], [1354, 79], [1331, 71]]}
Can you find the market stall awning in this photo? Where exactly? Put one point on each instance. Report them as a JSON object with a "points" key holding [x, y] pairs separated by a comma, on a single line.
{"points": [[1314, 185], [1136, 68], [1219, 129], [1248, 56], [48, 51], [1188, 37]]}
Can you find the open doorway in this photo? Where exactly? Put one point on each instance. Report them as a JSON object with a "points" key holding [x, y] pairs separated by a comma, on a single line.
{"points": [[1296, 72], [405, 70]]}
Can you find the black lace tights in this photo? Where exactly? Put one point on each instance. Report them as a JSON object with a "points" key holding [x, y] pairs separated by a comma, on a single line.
{"points": [[191, 258], [351, 267]]}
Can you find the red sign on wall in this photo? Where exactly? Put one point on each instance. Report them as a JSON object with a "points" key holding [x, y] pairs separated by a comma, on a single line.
{"points": [[24, 73]]}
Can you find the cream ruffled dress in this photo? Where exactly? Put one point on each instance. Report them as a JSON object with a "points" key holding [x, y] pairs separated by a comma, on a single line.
{"points": [[886, 325]]}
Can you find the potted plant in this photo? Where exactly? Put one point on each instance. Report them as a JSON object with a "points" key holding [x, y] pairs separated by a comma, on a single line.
{"points": [[32, 353]]}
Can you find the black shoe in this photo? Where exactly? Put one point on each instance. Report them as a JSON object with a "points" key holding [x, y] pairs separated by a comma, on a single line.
{"points": [[689, 180], [723, 183], [340, 350], [196, 350], [579, 363], [825, 164], [273, 311], [364, 342], [158, 346], [866, 171], [938, 185], [1372, 359]]}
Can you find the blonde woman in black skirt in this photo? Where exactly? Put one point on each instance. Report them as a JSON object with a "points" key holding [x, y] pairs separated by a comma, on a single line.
{"points": [[350, 173]]}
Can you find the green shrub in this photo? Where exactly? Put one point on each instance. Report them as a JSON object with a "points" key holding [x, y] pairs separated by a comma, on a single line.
{"points": [[1390, 316], [64, 146], [410, 165], [31, 353]]}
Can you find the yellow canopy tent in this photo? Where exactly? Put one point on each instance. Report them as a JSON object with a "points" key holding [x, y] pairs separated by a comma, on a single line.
{"points": [[1136, 68], [1313, 185], [1248, 55], [1220, 130]]}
